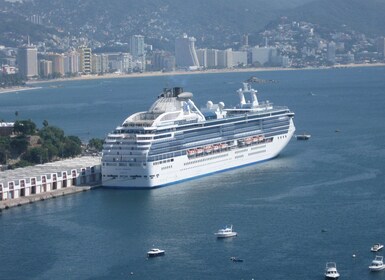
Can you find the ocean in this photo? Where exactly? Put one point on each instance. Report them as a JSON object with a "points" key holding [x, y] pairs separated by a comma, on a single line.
{"points": [[321, 200]]}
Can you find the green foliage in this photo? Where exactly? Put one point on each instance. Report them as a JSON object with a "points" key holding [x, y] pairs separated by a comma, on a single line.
{"points": [[72, 146], [96, 144], [49, 145], [363, 16], [36, 155], [19, 144], [5, 148], [21, 163], [52, 134], [24, 127], [52, 151], [10, 80]]}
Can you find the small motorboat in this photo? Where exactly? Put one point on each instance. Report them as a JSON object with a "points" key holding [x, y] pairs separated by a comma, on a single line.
{"points": [[377, 264], [303, 136], [331, 271], [155, 252], [376, 247], [226, 232], [235, 259]]}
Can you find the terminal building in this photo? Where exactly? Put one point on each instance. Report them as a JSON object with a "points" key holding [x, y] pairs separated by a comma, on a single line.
{"points": [[44, 178]]}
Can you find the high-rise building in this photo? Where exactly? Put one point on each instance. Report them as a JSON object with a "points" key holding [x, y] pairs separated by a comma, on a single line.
{"points": [[137, 45], [27, 61], [138, 52], [45, 68], [225, 58], [185, 53], [240, 58], [57, 63], [202, 57], [331, 52], [99, 63], [126, 60], [85, 65], [162, 61], [71, 62], [212, 58], [263, 56]]}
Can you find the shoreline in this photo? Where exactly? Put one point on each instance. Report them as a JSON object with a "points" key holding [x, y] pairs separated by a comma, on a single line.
{"points": [[30, 84], [17, 89], [6, 204]]}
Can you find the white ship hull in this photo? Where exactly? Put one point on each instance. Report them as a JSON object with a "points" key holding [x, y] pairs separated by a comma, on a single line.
{"points": [[186, 168]]}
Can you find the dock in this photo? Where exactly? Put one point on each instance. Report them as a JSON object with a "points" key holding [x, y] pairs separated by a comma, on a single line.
{"points": [[6, 204], [35, 183]]}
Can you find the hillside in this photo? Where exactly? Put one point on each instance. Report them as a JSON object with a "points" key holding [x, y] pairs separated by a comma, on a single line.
{"points": [[213, 23], [363, 16], [218, 23]]}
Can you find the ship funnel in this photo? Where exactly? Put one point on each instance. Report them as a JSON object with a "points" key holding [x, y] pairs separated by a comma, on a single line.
{"points": [[177, 91]]}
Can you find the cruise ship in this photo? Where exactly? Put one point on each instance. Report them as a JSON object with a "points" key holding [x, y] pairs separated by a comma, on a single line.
{"points": [[175, 141]]}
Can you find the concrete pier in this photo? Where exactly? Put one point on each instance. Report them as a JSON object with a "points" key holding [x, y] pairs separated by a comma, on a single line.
{"points": [[40, 182], [5, 204]]}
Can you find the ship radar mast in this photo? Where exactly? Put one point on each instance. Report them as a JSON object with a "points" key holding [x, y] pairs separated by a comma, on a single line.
{"points": [[247, 89]]}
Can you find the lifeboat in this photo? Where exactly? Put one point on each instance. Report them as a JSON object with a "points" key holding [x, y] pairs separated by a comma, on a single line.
{"points": [[199, 151], [255, 139], [191, 152], [261, 138], [208, 149], [216, 148], [248, 140], [224, 146]]}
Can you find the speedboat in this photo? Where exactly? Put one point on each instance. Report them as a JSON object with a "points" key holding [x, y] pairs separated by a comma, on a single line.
{"points": [[377, 264], [235, 259], [303, 136], [226, 232], [331, 271], [154, 252], [376, 247]]}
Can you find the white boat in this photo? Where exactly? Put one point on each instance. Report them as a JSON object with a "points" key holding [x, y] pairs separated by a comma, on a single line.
{"points": [[235, 259], [174, 141], [303, 136], [155, 252], [377, 264], [331, 271], [376, 247], [226, 232]]}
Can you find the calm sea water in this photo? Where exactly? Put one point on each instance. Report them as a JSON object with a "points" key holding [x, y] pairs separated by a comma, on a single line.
{"points": [[321, 200]]}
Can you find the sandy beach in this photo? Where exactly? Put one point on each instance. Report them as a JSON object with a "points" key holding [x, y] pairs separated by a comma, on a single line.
{"points": [[17, 89], [30, 85]]}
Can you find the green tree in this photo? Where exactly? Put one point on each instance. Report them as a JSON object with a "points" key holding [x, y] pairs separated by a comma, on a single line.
{"points": [[21, 163], [52, 134], [26, 127], [96, 143], [19, 144], [52, 151], [5, 149], [72, 146], [36, 155]]}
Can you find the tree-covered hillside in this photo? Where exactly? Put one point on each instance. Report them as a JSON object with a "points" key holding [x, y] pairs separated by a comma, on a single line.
{"points": [[366, 16], [219, 23]]}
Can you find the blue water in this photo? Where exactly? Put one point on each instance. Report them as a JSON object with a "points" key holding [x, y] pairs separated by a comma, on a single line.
{"points": [[321, 200]]}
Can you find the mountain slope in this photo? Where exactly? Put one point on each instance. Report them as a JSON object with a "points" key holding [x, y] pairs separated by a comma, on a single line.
{"points": [[366, 16]]}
